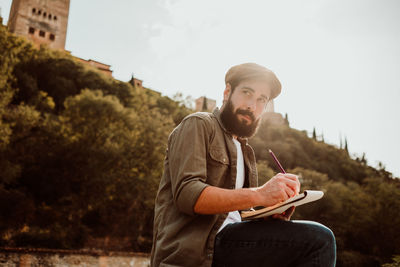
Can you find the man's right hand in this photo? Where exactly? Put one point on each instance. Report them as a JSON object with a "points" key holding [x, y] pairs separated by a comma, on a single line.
{"points": [[215, 200], [278, 189]]}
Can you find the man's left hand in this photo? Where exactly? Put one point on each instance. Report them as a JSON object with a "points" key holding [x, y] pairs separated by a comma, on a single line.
{"points": [[285, 216]]}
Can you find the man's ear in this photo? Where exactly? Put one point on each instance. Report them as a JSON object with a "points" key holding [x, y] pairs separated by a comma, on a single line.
{"points": [[227, 91]]}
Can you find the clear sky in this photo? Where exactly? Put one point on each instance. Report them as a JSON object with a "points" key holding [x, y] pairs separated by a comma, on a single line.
{"points": [[338, 60]]}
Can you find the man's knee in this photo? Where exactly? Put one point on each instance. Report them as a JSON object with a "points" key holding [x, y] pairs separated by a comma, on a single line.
{"points": [[321, 235], [324, 242], [326, 235]]}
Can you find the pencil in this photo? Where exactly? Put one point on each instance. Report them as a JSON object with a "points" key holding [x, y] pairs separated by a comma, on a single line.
{"points": [[277, 161]]}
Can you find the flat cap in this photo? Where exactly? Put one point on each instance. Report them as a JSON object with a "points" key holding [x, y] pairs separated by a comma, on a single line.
{"points": [[253, 71]]}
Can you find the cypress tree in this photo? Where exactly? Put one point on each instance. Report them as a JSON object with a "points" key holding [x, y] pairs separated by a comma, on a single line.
{"points": [[314, 134], [204, 108], [286, 119]]}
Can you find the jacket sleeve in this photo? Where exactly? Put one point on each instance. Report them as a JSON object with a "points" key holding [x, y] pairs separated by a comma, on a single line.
{"points": [[187, 153]]}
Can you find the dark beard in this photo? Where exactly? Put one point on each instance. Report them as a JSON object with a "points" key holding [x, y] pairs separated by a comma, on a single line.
{"points": [[234, 125]]}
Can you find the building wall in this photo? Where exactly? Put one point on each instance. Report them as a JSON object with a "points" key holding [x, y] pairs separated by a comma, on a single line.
{"points": [[209, 106], [273, 118], [104, 68], [42, 21], [136, 82]]}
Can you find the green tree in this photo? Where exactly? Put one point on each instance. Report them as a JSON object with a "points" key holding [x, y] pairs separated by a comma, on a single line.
{"points": [[286, 119], [345, 146]]}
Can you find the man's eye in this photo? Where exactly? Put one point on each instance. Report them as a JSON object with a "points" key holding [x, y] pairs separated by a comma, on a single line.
{"points": [[262, 100]]}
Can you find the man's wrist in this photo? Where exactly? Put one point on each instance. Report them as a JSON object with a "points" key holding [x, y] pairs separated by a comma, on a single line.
{"points": [[255, 197]]}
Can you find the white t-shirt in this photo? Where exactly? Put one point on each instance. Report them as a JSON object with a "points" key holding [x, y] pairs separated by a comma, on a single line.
{"points": [[234, 216]]}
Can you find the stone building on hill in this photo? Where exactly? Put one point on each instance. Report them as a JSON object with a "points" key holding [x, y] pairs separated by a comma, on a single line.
{"points": [[136, 82], [104, 68], [205, 104], [41, 21], [45, 22]]}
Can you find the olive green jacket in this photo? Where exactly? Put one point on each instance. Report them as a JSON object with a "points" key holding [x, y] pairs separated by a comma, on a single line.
{"points": [[200, 153]]}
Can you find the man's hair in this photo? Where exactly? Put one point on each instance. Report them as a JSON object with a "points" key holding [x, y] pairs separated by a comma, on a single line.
{"points": [[253, 71]]}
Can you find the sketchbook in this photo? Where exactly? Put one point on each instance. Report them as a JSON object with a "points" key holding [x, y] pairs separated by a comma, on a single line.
{"points": [[303, 198]]}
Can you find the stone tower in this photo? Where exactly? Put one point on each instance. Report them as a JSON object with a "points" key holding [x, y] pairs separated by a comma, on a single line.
{"points": [[205, 104], [42, 21]]}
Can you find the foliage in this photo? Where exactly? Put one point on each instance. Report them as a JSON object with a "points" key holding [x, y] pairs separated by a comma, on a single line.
{"points": [[295, 149], [359, 201], [81, 153]]}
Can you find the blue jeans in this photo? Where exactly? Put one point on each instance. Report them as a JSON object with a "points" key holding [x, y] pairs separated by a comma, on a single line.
{"points": [[275, 243]]}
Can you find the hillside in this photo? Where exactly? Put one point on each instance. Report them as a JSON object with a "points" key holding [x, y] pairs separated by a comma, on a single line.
{"points": [[359, 203], [81, 155]]}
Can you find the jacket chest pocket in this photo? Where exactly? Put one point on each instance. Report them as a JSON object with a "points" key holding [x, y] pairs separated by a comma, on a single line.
{"points": [[217, 166]]}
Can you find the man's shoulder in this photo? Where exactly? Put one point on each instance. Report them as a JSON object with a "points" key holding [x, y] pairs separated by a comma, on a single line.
{"points": [[199, 123], [206, 116], [198, 120]]}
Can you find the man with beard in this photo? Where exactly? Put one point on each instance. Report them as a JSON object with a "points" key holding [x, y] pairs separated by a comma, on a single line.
{"points": [[210, 175]]}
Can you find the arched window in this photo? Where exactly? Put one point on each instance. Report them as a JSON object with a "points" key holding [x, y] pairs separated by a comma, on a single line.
{"points": [[42, 33], [49, 16], [52, 37], [44, 14], [55, 17], [31, 30], [33, 10], [40, 12]]}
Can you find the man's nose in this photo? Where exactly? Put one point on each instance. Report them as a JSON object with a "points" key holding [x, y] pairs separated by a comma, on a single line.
{"points": [[251, 105]]}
